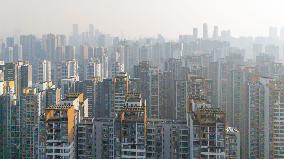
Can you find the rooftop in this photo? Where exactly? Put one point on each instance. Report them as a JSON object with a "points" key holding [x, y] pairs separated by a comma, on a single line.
{"points": [[232, 130]]}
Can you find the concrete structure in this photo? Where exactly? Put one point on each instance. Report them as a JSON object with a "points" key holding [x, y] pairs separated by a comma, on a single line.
{"points": [[120, 84], [132, 133], [232, 143], [44, 71], [104, 99], [256, 120], [103, 138], [84, 139], [205, 31], [150, 78], [93, 69], [207, 130], [60, 126], [30, 105], [167, 139]]}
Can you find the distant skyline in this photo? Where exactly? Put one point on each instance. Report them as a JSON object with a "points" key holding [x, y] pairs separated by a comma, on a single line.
{"points": [[140, 18]]}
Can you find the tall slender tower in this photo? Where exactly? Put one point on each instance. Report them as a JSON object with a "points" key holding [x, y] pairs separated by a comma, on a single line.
{"points": [[205, 31]]}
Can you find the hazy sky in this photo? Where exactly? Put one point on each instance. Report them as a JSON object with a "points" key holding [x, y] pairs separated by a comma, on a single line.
{"points": [[137, 18]]}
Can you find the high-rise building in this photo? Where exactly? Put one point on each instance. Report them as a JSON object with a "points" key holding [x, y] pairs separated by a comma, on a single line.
{"points": [[149, 77], [167, 139], [20, 73], [215, 32], [263, 119], [75, 30], [134, 85], [104, 99], [103, 138], [256, 120], [67, 86], [30, 47], [173, 72], [10, 123], [207, 126], [277, 104], [10, 41], [75, 37], [49, 95], [24, 77], [198, 64], [265, 104], [91, 30], [79, 101], [205, 31], [91, 52], [90, 91], [9, 55], [195, 33], [232, 143], [101, 54], [181, 95], [257, 49], [29, 105], [281, 34], [93, 69], [234, 114], [218, 74], [60, 126], [49, 46], [70, 69], [44, 71], [10, 71], [70, 52], [17, 52], [116, 68], [226, 35], [59, 54], [120, 85], [132, 125], [84, 139], [272, 50], [273, 33]]}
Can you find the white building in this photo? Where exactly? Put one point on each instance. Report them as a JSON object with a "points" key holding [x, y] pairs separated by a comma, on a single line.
{"points": [[44, 71], [93, 69]]}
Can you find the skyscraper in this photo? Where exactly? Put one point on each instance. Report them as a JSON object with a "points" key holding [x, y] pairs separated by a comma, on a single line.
{"points": [[30, 105], [90, 91], [120, 84], [232, 143], [31, 47], [215, 32], [104, 98], [207, 126], [195, 33], [273, 33], [70, 52], [149, 77], [10, 41], [60, 126], [49, 47], [103, 138], [132, 134], [18, 52], [91, 30], [85, 138], [44, 71], [10, 124], [75, 30], [256, 120], [205, 31]]}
